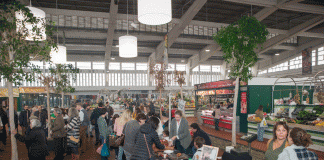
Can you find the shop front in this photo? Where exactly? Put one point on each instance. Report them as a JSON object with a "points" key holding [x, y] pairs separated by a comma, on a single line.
{"points": [[32, 96]]}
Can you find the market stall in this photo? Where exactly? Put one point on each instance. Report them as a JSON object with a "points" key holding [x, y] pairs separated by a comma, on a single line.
{"points": [[219, 93], [294, 100]]}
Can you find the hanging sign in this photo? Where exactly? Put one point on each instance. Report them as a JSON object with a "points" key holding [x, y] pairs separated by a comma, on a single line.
{"points": [[243, 102], [201, 93], [307, 61]]}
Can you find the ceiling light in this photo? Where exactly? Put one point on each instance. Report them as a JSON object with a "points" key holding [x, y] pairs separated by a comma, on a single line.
{"points": [[40, 16], [112, 58], [154, 12], [128, 46], [58, 55], [207, 50], [277, 54], [117, 45], [134, 25], [183, 61]]}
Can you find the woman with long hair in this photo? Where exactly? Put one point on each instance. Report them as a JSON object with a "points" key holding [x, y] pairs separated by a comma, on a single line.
{"points": [[73, 132], [119, 126]]}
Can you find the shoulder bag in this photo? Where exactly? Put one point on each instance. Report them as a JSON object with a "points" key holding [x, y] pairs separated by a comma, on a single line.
{"points": [[121, 140]]}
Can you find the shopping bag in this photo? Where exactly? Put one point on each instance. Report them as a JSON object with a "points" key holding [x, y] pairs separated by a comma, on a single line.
{"points": [[99, 149], [105, 150], [264, 123]]}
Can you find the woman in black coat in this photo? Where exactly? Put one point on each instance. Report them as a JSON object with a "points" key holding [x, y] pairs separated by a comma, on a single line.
{"points": [[143, 146], [35, 141], [4, 119]]}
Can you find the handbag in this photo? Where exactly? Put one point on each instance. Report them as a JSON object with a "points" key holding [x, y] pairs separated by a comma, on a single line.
{"points": [[113, 139], [73, 139], [121, 140]]}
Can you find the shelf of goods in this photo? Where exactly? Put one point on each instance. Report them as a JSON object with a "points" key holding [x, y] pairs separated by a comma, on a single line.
{"points": [[224, 122], [190, 111], [316, 132]]}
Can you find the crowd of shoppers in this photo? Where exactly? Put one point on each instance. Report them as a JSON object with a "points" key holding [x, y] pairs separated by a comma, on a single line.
{"points": [[141, 129]]}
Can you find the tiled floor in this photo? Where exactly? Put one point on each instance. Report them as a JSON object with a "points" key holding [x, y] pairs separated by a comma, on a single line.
{"points": [[259, 146]]}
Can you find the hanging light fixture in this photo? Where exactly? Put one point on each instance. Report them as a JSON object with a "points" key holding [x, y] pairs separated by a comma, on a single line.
{"points": [[127, 44], [154, 12], [58, 55], [41, 26]]}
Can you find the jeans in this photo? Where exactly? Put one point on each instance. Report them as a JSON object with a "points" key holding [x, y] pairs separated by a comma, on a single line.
{"points": [[260, 133], [216, 124], [193, 149], [97, 133], [102, 139], [120, 153]]}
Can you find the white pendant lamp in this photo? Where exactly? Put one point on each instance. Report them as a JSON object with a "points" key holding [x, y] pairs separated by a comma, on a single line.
{"points": [[40, 15], [127, 44], [154, 12], [58, 55]]}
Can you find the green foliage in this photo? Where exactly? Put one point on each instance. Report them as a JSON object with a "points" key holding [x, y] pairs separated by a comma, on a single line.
{"points": [[238, 42], [13, 44], [62, 75]]}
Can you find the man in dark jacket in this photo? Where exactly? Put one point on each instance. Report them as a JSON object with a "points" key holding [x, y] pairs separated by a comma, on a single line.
{"points": [[94, 118], [58, 133], [152, 107], [24, 119], [197, 132]]}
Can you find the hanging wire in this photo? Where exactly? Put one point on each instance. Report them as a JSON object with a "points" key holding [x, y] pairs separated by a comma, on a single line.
{"points": [[57, 24], [127, 17]]}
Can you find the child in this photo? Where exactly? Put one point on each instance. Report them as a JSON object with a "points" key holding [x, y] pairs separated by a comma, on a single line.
{"points": [[198, 143], [166, 135]]}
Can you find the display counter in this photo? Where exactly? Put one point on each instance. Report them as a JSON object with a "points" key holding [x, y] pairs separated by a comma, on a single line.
{"points": [[317, 132], [225, 119]]}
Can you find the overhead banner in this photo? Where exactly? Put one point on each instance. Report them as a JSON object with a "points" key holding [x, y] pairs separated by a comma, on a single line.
{"points": [[307, 61], [32, 90], [4, 92], [219, 84]]}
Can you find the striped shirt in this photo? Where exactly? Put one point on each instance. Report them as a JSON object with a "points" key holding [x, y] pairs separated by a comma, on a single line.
{"points": [[73, 129]]}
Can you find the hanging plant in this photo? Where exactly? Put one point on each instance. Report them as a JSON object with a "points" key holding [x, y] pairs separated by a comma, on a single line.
{"points": [[238, 42]]}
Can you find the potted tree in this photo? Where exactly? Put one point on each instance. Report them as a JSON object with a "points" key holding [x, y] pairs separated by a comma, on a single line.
{"points": [[16, 51], [238, 42]]}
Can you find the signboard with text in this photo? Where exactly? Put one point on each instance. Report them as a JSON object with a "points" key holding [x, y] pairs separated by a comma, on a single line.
{"points": [[243, 102], [219, 84]]}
